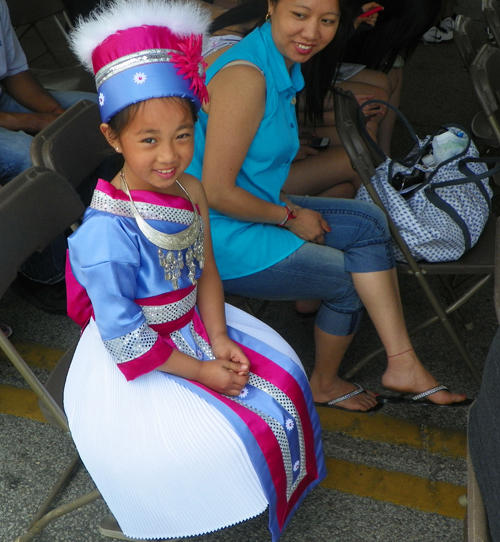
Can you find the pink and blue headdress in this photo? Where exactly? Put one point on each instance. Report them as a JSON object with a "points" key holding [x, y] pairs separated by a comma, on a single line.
{"points": [[142, 49]]}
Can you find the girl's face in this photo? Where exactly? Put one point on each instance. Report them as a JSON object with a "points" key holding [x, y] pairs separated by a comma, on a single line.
{"points": [[157, 144], [302, 28]]}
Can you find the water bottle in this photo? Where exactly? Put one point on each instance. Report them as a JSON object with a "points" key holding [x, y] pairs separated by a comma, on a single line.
{"points": [[449, 144]]}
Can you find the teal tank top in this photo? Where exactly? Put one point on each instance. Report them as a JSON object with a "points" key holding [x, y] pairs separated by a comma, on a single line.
{"points": [[243, 248]]}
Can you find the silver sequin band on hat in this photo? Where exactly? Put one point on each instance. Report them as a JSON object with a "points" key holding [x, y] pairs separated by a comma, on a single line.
{"points": [[148, 56]]}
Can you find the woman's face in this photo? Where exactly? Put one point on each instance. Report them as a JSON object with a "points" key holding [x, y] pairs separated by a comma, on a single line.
{"points": [[302, 28]]}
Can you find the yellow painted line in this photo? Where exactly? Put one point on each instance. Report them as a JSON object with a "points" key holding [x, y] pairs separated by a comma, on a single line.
{"points": [[36, 355], [20, 402], [395, 487], [381, 428]]}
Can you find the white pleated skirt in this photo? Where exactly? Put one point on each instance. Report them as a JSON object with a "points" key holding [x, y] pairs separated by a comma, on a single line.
{"points": [[166, 462]]}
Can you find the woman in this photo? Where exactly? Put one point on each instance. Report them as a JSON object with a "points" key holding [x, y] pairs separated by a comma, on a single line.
{"points": [[331, 249], [313, 173]]}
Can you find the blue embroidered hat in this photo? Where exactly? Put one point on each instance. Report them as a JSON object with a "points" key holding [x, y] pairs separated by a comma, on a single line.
{"points": [[142, 49]]}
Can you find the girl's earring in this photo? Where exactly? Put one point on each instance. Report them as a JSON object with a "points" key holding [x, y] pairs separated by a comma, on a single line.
{"points": [[268, 17], [117, 149]]}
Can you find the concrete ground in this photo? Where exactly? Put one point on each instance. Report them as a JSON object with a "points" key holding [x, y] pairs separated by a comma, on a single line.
{"points": [[392, 476]]}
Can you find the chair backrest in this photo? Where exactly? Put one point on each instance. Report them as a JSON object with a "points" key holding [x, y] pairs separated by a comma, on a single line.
{"points": [[491, 14], [73, 144], [25, 14], [467, 39], [28, 12], [35, 207], [363, 157], [485, 75]]}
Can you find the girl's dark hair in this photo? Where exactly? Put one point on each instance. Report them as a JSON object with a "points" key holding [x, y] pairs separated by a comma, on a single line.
{"points": [[398, 31], [123, 118]]}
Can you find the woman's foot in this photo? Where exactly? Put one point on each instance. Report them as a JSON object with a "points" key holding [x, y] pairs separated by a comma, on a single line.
{"points": [[406, 374], [362, 401]]}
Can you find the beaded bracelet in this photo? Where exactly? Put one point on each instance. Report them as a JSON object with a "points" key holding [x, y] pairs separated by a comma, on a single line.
{"points": [[289, 214]]}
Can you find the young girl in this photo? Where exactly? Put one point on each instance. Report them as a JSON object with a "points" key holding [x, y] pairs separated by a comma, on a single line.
{"points": [[186, 425]]}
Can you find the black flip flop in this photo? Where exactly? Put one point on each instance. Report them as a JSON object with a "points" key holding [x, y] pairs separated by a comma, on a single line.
{"points": [[333, 402], [419, 399]]}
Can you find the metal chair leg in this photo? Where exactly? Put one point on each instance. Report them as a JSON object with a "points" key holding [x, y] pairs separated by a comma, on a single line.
{"points": [[64, 478], [57, 513]]}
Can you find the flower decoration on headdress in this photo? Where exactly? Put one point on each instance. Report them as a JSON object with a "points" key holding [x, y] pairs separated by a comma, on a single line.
{"points": [[139, 78], [191, 64]]}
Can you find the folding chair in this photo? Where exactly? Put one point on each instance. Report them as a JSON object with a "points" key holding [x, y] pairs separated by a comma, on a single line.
{"points": [[469, 41], [485, 75], [478, 263], [25, 14], [73, 144], [35, 207], [491, 14]]}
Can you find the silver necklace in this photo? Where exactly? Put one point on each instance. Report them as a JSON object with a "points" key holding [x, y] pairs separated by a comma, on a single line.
{"points": [[191, 238]]}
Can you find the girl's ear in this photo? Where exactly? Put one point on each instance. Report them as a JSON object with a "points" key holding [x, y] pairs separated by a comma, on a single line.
{"points": [[110, 136]]}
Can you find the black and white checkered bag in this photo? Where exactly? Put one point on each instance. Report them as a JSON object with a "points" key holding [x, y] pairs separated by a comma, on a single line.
{"points": [[444, 212]]}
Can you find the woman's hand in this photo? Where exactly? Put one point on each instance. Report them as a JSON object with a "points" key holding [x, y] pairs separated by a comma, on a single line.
{"points": [[303, 152], [223, 376], [372, 19], [371, 110], [308, 225]]}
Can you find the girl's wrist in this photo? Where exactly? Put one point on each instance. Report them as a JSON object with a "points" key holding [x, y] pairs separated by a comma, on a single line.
{"points": [[216, 337]]}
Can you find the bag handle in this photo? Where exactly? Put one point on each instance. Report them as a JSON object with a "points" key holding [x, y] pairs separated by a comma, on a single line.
{"points": [[368, 137], [414, 158], [470, 177]]}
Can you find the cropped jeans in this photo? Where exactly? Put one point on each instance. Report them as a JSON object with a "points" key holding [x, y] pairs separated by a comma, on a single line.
{"points": [[47, 266], [359, 242]]}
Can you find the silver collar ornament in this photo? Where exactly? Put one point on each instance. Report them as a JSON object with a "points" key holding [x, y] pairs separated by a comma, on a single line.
{"points": [[191, 238]]}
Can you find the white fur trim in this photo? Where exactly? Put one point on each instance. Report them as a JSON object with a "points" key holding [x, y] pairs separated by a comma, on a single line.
{"points": [[181, 17]]}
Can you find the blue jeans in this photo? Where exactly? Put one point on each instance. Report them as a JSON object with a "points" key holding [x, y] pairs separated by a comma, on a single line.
{"points": [[359, 242], [47, 266]]}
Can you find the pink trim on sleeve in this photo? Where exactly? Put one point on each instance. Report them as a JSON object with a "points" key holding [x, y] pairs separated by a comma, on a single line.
{"points": [[149, 361]]}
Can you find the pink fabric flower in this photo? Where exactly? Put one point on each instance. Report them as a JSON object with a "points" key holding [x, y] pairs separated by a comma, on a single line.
{"points": [[192, 65]]}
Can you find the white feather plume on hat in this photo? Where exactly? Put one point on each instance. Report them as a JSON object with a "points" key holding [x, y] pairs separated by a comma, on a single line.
{"points": [[181, 17]]}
